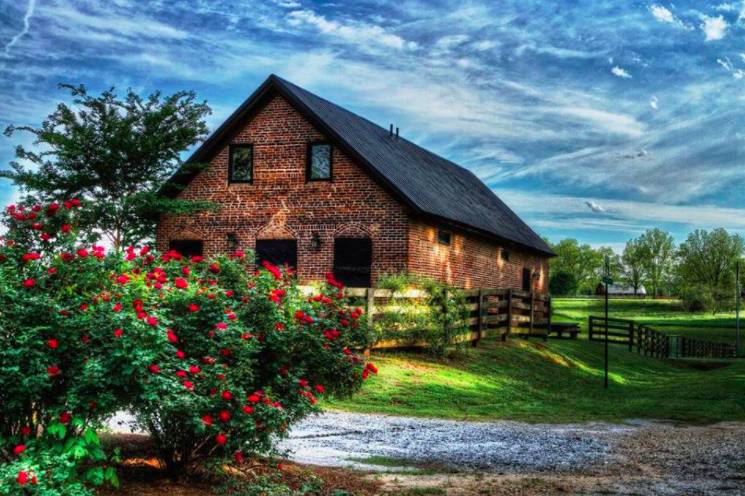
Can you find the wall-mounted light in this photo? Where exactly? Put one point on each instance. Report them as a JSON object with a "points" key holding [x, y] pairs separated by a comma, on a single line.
{"points": [[315, 242], [232, 241]]}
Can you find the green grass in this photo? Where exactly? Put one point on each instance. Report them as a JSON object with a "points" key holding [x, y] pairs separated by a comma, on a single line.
{"points": [[561, 380], [664, 315]]}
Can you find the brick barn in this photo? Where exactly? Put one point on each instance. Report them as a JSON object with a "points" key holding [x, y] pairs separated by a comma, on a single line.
{"points": [[304, 182]]}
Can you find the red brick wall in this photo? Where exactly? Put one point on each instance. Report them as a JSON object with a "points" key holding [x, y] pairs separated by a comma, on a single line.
{"points": [[280, 204], [468, 261]]}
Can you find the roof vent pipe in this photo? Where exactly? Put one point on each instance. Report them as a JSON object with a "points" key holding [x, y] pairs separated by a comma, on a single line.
{"points": [[396, 132], [390, 132]]}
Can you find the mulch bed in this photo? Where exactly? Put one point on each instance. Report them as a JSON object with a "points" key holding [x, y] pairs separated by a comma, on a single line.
{"points": [[141, 474]]}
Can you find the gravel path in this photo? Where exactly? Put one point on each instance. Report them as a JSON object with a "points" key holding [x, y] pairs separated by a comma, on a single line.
{"points": [[342, 439]]}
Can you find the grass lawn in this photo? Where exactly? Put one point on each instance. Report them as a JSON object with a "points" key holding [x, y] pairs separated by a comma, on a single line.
{"points": [[663, 315], [561, 380]]}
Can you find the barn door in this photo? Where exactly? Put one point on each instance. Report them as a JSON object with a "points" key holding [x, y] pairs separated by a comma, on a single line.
{"points": [[187, 247], [527, 276], [353, 261], [277, 251]]}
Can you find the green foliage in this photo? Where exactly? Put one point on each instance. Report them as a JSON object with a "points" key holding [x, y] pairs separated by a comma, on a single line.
{"points": [[582, 261], [114, 152], [707, 265], [270, 485], [436, 319], [562, 283], [632, 264], [657, 250]]}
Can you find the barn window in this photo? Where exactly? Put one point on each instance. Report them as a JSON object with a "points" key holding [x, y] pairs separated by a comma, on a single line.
{"points": [[241, 164], [187, 247], [353, 261], [277, 251], [443, 237], [319, 162], [505, 255]]}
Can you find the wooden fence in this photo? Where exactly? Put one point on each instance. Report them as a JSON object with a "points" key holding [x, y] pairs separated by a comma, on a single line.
{"points": [[650, 342], [489, 312]]}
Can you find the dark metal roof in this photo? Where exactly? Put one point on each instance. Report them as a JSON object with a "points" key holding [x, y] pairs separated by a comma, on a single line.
{"points": [[427, 183]]}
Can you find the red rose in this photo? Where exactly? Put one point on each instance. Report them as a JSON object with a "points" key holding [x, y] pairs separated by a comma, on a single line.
{"points": [[227, 395], [154, 369], [254, 398], [207, 419], [180, 354], [65, 417], [221, 439], [26, 430], [193, 369], [122, 279], [152, 320], [193, 307], [171, 335], [188, 385], [248, 409], [181, 283], [320, 389], [53, 370], [273, 269], [82, 253], [221, 326], [118, 333], [66, 228], [180, 373], [215, 268], [22, 478], [238, 456], [303, 383], [19, 449], [53, 343], [29, 283], [224, 416], [117, 307]]}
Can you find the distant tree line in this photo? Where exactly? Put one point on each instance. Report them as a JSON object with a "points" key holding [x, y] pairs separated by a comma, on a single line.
{"points": [[700, 271]]}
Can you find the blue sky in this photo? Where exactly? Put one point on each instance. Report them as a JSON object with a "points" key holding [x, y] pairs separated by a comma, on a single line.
{"points": [[592, 119]]}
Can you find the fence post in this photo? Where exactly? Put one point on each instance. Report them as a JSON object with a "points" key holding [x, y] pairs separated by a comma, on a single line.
{"points": [[480, 309], [548, 311], [509, 314], [370, 311], [532, 313], [631, 336]]}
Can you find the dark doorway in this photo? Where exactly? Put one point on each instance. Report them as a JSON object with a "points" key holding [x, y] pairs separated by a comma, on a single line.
{"points": [[187, 247], [277, 251], [353, 261], [527, 276]]}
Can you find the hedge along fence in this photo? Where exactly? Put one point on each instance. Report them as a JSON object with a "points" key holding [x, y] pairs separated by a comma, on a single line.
{"points": [[438, 316]]}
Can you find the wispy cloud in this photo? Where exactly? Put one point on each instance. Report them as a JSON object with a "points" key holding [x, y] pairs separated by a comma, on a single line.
{"points": [[26, 26], [663, 14], [594, 206]]}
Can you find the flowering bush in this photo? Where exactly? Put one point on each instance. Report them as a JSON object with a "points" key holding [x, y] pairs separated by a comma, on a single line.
{"points": [[216, 361], [241, 355], [56, 345]]}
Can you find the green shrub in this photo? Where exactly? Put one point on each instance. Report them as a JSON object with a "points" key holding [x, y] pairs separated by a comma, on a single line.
{"points": [[437, 319], [563, 283]]}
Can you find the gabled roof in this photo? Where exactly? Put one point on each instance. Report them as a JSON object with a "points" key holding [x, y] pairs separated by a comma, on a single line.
{"points": [[427, 183]]}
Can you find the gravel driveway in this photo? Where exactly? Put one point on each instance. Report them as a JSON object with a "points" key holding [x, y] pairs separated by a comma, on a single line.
{"points": [[343, 439], [463, 458]]}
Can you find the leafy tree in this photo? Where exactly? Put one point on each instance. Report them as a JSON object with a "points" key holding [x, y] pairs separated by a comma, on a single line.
{"points": [[615, 265], [658, 250], [707, 262], [115, 153], [632, 264], [562, 283], [581, 260]]}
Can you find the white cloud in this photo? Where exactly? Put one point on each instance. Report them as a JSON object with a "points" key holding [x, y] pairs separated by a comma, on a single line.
{"points": [[726, 7], [662, 14], [26, 26], [653, 102], [715, 28], [357, 32], [620, 72], [729, 67], [594, 206], [625, 214]]}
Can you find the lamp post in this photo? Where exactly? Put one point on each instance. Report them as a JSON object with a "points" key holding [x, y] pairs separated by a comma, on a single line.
{"points": [[607, 280], [737, 308]]}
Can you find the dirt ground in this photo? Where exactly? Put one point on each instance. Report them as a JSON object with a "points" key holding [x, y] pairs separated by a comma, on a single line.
{"points": [[658, 459]]}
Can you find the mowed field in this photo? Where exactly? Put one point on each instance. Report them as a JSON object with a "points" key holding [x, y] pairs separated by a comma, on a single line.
{"points": [[561, 380], [664, 315]]}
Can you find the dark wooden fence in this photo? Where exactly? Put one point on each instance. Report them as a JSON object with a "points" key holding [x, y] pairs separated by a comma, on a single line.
{"points": [[490, 312], [650, 342]]}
